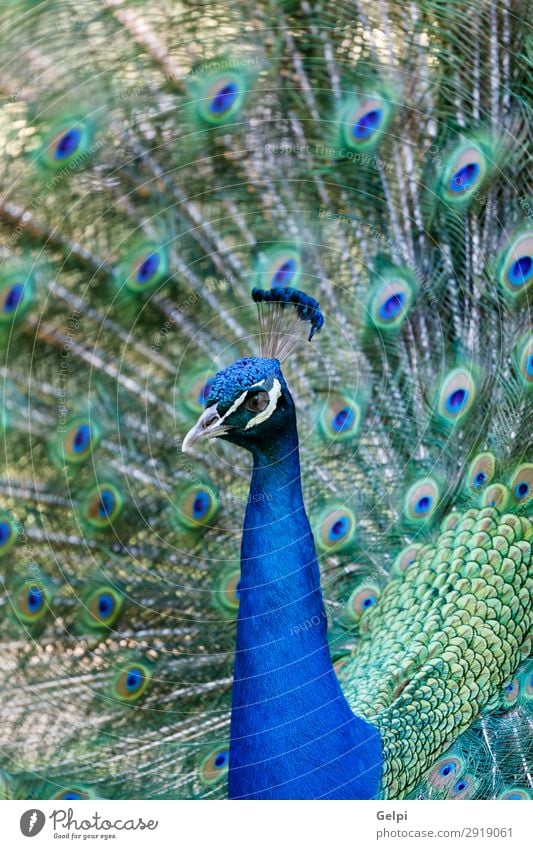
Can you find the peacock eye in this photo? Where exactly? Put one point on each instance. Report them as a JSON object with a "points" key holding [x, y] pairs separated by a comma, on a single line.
{"points": [[257, 402]]}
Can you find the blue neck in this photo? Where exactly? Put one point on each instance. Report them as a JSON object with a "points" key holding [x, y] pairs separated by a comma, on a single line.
{"points": [[293, 735]]}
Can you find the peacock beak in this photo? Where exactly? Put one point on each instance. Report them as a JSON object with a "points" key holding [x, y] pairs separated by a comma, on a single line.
{"points": [[209, 424]]}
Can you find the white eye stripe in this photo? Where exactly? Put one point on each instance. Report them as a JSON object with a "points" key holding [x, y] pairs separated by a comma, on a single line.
{"points": [[273, 396]]}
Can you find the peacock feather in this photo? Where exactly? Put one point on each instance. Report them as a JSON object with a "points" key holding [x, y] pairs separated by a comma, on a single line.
{"points": [[309, 232]]}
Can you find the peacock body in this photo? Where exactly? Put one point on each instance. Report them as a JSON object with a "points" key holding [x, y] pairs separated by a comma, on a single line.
{"points": [[161, 163]]}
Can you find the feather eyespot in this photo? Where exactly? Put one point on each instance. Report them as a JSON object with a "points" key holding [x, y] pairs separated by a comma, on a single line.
{"points": [[445, 772], [102, 607], [510, 692], [103, 505], [456, 396], [340, 419], [362, 600], [8, 533], [226, 94], [521, 484], [131, 682], [516, 794], [520, 271], [227, 591], [362, 123], [481, 471], [422, 500], [32, 600], [515, 265], [390, 308], [195, 388], [217, 98], [72, 794], [464, 178], [390, 299], [214, 767], [524, 361], [143, 267], [79, 440], [464, 172], [406, 558], [224, 97], [367, 124], [279, 266], [67, 145], [496, 495], [16, 294], [336, 529], [147, 268]]}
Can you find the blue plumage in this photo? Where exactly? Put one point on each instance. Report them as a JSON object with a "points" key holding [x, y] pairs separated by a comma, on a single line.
{"points": [[286, 698]]}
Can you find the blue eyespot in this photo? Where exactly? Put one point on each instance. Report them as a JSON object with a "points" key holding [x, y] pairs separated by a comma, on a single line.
{"points": [[465, 178], [106, 502], [285, 273], [201, 505], [134, 679], [461, 785], [339, 528], [370, 601], [221, 760], [68, 143], [480, 479], [214, 767], [82, 438], [529, 365], [520, 271], [13, 298], [35, 599], [367, 124], [423, 504], [224, 99], [392, 306], [5, 532], [148, 267], [71, 795], [343, 420], [521, 489], [456, 400], [515, 796], [106, 604], [446, 769]]}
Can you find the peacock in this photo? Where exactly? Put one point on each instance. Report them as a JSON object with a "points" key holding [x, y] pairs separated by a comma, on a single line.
{"points": [[267, 369]]}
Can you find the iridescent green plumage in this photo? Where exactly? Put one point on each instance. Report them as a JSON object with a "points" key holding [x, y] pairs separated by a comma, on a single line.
{"points": [[460, 620]]}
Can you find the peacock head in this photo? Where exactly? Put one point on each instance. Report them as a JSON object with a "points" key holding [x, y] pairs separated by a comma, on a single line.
{"points": [[249, 402]]}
